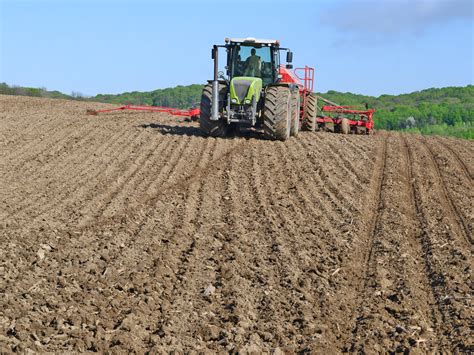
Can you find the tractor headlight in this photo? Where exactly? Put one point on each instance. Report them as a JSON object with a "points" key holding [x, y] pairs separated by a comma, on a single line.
{"points": [[247, 101], [234, 101]]}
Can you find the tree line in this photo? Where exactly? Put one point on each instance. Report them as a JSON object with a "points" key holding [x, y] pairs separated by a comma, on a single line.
{"points": [[451, 106], [179, 97], [448, 110]]}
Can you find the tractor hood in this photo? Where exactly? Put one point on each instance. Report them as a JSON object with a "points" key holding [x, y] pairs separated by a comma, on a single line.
{"points": [[243, 88]]}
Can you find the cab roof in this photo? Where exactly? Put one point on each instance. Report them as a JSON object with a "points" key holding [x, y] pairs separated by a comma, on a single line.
{"points": [[251, 40]]}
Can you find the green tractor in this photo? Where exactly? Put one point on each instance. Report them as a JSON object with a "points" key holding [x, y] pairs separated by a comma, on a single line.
{"points": [[257, 92]]}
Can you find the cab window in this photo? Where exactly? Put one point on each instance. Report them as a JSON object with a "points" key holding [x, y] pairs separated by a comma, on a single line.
{"points": [[244, 63]]}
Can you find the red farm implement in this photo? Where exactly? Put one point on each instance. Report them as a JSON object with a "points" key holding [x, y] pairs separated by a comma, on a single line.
{"points": [[346, 119], [192, 113], [257, 91]]}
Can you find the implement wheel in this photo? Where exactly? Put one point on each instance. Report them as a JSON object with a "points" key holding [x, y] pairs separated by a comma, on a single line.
{"points": [[360, 130]]}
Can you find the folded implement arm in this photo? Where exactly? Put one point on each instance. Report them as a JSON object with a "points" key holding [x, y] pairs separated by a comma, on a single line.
{"points": [[192, 112]]}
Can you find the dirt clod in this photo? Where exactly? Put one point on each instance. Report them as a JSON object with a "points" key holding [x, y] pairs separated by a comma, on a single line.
{"points": [[209, 290]]}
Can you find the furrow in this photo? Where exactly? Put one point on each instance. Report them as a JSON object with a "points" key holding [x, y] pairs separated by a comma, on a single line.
{"points": [[126, 147], [84, 188], [346, 164], [397, 300], [99, 204], [325, 179], [358, 145], [120, 199], [36, 148], [27, 202], [35, 166], [374, 210], [457, 157]]}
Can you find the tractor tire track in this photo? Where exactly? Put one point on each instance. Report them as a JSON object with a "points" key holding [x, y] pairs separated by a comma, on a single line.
{"points": [[458, 159], [454, 214], [373, 220], [278, 229], [446, 286]]}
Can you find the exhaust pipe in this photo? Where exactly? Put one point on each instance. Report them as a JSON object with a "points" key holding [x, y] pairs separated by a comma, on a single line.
{"points": [[215, 87]]}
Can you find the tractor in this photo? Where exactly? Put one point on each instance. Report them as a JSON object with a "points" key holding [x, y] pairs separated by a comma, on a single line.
{"points": [[258, 92]]}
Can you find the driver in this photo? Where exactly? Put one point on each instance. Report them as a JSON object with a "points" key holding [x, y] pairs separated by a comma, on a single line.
{"points": [[253, 64]]}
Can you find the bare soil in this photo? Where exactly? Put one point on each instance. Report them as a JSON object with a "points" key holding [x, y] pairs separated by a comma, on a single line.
{"points": [[132, 232]]}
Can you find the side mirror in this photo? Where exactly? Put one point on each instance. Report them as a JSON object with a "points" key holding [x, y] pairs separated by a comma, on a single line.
{"points": [[289, 56]]}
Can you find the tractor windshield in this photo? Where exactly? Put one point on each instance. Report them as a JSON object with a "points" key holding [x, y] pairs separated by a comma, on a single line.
{"points": [[253, 61]]}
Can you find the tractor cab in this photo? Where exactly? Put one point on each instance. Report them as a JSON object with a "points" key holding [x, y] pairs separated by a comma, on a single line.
{"points": [[252, 58], [252, 65]]}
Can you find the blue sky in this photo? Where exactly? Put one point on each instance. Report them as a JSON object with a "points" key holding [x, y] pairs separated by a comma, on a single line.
{"points": [[105, 46]]}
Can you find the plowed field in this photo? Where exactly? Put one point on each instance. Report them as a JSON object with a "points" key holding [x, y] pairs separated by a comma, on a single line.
{"points": [[132, 232]]}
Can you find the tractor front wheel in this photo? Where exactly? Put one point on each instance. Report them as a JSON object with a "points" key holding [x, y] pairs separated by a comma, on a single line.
{"points": [[276, 113], [209, 127]]}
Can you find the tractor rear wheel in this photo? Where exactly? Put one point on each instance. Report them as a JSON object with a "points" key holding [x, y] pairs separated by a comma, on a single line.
{"points": [[209, 127], [295, 113], [276, 113], [309, 119], [345, 126]]}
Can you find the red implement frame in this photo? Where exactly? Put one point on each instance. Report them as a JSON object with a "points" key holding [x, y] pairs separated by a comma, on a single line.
{"points": [[361, 118], [193, 112], [303, 78]]}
